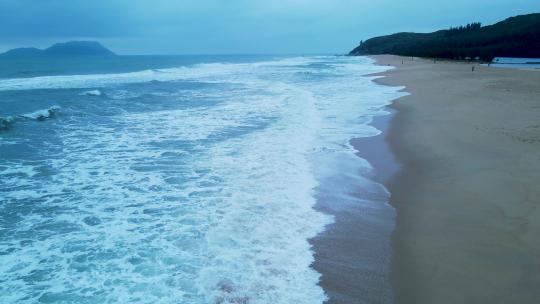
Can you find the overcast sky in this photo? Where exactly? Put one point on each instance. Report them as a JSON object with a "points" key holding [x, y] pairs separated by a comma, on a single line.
{"points": [[236, 26]]}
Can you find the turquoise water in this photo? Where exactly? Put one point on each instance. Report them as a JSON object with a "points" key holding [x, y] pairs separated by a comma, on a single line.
{"points": [[174, 179]]}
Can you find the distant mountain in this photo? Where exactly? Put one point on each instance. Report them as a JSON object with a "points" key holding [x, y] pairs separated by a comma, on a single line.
{"points": [[514, 37], [73, 48], [78, 48], [26, 52]]}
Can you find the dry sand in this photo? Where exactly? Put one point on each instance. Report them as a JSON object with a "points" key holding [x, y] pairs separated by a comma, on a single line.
{"points": [[468, 197]]}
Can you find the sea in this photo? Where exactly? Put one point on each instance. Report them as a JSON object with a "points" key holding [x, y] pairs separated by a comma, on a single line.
{"points": [[516, 63], [175, 179]]}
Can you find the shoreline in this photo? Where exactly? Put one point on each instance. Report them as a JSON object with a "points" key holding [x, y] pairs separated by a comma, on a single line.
{"points": [[353, 254], [466, 197]]}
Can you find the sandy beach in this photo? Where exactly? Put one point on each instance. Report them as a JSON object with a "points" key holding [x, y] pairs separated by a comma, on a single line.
{"points": [[467, 198]]}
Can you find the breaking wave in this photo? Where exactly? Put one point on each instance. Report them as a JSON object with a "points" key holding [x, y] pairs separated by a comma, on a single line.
{"points": [[6, 123], [92, 93], [206, 201], [42, 114]]}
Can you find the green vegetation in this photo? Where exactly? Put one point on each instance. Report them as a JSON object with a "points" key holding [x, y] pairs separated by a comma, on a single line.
{"points": [[514, 37]]}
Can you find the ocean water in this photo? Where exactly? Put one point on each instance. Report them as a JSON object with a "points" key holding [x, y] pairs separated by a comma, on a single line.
{"points": [[516, 63], [174, 179]]}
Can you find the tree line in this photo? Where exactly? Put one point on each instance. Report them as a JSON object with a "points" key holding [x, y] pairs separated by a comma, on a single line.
{"points": [[514, 37]]}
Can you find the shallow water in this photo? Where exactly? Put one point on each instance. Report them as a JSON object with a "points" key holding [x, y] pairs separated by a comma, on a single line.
{"points": [[192, 181]]}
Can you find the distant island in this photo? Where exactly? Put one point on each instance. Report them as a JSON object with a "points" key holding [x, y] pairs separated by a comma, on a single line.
{"points": [[514, 37], [72, 48]]}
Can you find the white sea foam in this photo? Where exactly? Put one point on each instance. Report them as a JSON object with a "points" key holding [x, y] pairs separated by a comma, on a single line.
{"points": [[193, 205], [212, 72], [92, 93], [42, 114]]}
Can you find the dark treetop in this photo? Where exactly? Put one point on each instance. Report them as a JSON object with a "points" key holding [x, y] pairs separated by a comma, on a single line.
{"points": [[73, 48], [514, 37]]}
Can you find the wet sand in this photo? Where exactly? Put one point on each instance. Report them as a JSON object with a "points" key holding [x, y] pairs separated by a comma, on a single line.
{"points": [[468, 195], [354, 253]]}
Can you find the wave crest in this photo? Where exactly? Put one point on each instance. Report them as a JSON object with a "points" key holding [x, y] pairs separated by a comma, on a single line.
{"points": [[6, 123], [92, 93], [42, 114]]}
